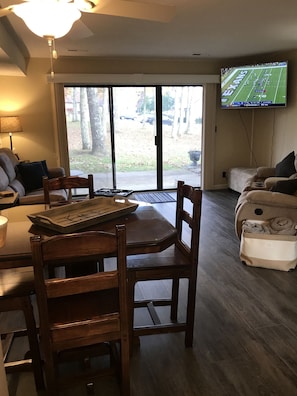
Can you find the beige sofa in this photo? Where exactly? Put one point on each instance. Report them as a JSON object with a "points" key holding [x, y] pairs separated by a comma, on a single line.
{"points": [[26, 178], [239, 178], [268, 195]]}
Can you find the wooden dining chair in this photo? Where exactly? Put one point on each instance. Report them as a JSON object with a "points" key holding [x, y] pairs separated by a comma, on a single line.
{"points": [[67, 183], [80, 315], [16, 289], [177, 262]]}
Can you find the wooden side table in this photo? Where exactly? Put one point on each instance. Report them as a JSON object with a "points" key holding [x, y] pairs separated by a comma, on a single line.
{"points": [[8, 202]]}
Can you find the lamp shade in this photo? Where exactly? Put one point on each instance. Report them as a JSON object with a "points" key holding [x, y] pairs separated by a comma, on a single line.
{"points": [[48, 18], [10, 124]]}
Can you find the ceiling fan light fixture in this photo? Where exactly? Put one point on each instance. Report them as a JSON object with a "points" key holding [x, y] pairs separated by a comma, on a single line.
{"points": [[52, 18]]}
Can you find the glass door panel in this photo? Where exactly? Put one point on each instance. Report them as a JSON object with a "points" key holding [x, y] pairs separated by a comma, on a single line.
{"points": [[134, 135], [88, 133], [182, 135]]}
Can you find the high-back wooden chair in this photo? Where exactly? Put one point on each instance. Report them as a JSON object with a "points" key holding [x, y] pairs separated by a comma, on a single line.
{"points": [[77, 315], [67, 183], [16, 289], [175, 263]]}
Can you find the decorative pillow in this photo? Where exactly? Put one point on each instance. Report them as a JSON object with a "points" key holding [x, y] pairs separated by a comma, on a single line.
{"points": [[32, 174], [286, 167], [285, 186]]}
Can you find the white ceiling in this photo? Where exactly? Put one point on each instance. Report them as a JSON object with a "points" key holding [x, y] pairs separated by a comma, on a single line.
{"points": [[210, 28]]}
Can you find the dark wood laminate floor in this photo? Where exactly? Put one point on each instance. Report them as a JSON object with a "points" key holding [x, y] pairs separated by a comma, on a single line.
{"points": [[245, 338]]}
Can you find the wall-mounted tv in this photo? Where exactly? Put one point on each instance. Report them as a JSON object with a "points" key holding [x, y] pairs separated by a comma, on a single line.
{"points": [[254, 86]]}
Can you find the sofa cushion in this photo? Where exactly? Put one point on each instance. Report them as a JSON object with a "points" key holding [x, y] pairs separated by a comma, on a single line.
{"points": [[286, 167], [8, 166], [13, 158], [3, 179], [17, 186], [285, 186], [32, 174]]}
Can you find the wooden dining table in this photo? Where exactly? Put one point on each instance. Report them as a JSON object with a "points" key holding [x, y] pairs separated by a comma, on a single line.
{"points": [[147, 231]]}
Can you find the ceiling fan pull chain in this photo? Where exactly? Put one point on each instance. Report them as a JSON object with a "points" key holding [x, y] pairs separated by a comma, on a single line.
{"points": [[53, 53]]}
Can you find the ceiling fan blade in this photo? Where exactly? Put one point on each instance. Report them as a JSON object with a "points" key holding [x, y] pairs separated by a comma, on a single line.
{"points": [[133, 9], [80, 31], [5, 11]]}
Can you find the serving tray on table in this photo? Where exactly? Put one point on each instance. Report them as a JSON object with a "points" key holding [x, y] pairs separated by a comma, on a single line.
{"points": [[73, 217]]}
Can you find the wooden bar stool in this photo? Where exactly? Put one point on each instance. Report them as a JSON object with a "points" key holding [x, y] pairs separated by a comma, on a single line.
{"points": [[16, 288]]}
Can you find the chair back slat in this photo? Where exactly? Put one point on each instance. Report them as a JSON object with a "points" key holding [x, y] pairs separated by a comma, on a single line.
{"points": [[86, 284], [67, 183], [58, 247], [100, 327], [188, 199]]}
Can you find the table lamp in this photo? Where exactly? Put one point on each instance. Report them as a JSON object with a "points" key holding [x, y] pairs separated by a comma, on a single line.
{"points": [[9, 125]]}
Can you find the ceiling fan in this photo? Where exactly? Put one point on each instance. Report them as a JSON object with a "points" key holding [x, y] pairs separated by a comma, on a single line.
{"points": [[29, 9], [52, 19]]}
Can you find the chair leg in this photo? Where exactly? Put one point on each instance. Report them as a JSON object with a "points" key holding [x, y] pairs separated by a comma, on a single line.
{"points": [[33, 342], [174, 297], [125, 367], [190, 313], [131, 297], [51, 375]]}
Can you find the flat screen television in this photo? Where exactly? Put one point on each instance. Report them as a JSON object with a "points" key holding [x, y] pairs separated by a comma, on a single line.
{"points": [[254, 86]]}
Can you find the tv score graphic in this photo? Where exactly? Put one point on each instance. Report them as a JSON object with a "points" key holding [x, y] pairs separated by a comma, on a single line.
{"points": [[254, 86]]}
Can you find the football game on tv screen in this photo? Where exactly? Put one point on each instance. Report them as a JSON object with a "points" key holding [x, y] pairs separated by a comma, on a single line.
{"points": [[254, 86]]}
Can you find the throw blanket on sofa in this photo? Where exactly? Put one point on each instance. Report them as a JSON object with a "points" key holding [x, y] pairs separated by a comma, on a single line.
{"points": [[276, 225]]}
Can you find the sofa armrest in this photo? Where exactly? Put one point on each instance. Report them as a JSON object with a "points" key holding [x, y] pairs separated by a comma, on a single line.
{"points": [[271, 198], [56, 172], [264, 205], [264, 171]]}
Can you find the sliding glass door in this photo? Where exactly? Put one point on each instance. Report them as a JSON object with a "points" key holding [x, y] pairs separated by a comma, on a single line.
{"points": [[139, 138]]}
